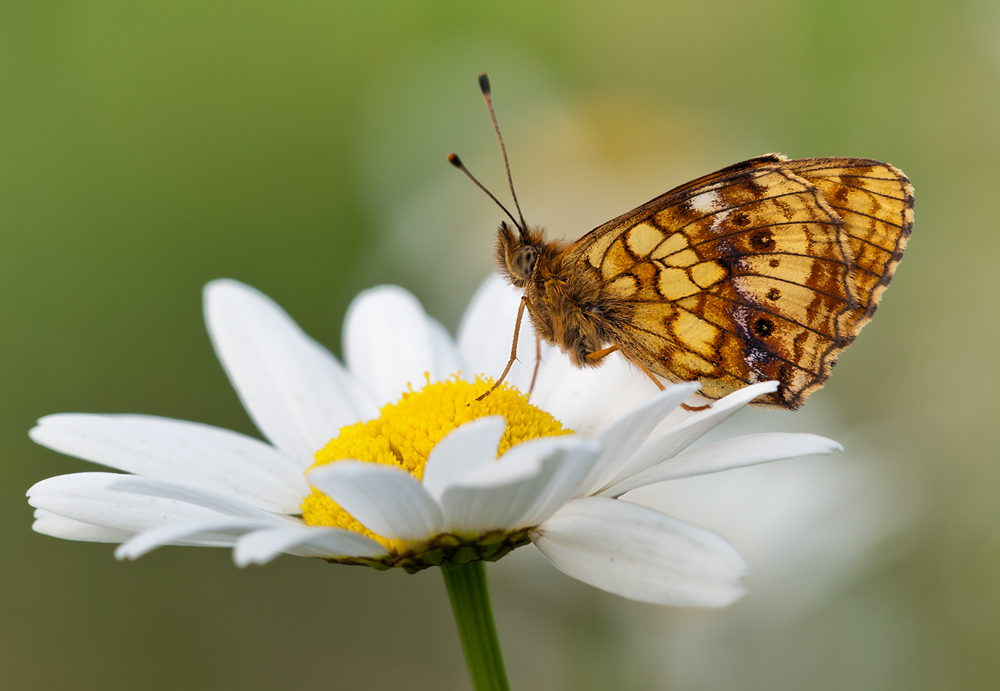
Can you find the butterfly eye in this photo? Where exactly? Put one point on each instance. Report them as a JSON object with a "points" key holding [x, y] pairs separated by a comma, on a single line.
{"points": [[524, 262]]}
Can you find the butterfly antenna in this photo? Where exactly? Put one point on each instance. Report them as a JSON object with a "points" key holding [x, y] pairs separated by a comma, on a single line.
{"points": [[484, 84], [457, 162]]}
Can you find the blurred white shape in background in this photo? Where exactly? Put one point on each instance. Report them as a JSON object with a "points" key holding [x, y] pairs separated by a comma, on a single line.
{"points": [[804, 525]]}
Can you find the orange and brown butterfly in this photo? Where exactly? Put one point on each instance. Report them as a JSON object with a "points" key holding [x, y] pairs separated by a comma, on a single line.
{"points": [[765, 270]]}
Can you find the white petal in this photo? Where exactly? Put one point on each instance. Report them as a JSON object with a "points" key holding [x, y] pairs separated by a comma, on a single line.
{"points": [[386, 500], [87, 497], [447, 360], [297, 393], [390, 342], [641, 554], [726, 455], [589, 400], [624, 437], [564, 483], [217, 532], [486, 333], [262, 546], [524, 487], [222, 503], [676, 439], [218, 459], [55, 525], [462, 450]]}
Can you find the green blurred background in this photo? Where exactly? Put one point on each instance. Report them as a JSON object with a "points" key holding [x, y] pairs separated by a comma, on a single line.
{"points": [[146, 148]]}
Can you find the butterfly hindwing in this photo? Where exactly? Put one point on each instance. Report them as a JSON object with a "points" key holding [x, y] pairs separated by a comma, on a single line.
{"points": [[875, 201]]}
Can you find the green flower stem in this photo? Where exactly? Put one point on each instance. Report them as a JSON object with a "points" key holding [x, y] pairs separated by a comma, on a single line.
{"points": [[470, 601]]}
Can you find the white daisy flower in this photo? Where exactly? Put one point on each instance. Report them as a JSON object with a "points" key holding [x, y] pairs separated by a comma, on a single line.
{"points": [[392, 462]]}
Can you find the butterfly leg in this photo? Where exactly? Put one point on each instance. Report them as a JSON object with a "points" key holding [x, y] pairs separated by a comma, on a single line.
{"points": [[599, 355], [649, 374], [513, 350], [538, 361]]}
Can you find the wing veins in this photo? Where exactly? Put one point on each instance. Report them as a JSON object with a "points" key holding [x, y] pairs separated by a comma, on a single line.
{"points": [[832, 164], [681, 346], [874, 218], [769, 225], [773, 354], [833, 169], [753, 306], [877, 194], [845, 264], [728, 209], [876, 246], [792, 283]]}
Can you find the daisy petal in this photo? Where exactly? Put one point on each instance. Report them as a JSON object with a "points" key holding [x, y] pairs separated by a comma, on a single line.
{"points": [[465, 448], [216, 533], [589, 400], [188, 493], [726, 455], [87, 497], [487, 329], [624, 437], [48, 523], [388, 501], [447, 361], [176, 450], [390, 342], [678, 438], [525, 486], [262, 546], [295, 391], [564, 483], [641, 554]]}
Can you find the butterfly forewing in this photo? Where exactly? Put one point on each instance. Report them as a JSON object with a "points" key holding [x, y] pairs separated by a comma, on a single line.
{"points": [[763, 270]]}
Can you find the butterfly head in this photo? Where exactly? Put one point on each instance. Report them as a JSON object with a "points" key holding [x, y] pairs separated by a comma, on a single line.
{"points": [[517, 253]]}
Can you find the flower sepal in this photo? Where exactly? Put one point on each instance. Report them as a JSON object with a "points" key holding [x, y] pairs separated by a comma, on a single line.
{"points": [[447, 551]]}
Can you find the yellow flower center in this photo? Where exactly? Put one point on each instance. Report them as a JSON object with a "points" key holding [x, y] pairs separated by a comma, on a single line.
{"points": [[405, 432]]}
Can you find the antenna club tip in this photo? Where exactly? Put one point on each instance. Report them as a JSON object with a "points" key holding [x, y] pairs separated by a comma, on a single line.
{"points": [[455, 160], [484, 83]]}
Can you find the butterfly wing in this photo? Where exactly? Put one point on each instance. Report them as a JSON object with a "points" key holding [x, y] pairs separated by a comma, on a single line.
{"points": [[875, 201], [750, 273]]}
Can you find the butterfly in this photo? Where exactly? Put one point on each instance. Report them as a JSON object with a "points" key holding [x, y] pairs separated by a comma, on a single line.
{"points": [[764, 270]]}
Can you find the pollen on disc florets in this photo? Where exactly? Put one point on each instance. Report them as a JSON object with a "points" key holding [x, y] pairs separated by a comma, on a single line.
{"points": [[404, 434]]}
